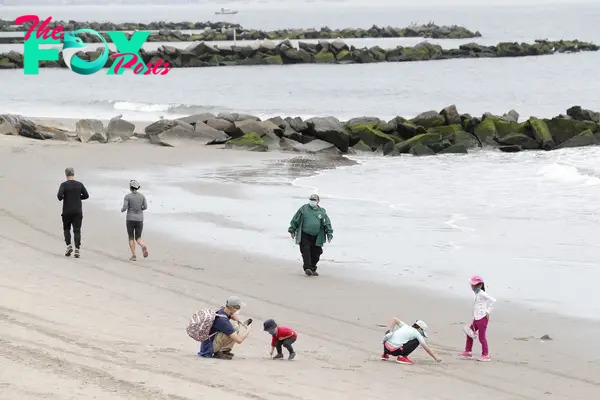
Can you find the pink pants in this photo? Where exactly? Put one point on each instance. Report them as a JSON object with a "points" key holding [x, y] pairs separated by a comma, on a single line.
{"points": [[481, 327]]}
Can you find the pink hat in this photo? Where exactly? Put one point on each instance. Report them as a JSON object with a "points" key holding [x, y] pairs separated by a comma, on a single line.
{"points": [[476, 280]]}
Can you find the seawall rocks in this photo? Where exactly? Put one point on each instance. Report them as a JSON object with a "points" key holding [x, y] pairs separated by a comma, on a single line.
{"points": [[266, 52], [429, 133]]}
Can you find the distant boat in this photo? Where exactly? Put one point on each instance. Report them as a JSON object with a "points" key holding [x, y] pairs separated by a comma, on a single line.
{"points": [[226, 11]]}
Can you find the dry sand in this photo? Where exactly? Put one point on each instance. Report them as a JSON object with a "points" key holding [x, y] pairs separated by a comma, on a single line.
{"points": [[102, 327]]}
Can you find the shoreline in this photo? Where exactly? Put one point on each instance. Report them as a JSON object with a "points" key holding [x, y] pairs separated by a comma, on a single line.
{"points": [[102, 354]]}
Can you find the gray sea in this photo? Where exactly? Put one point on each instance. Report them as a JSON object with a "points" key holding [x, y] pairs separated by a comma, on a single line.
{"points": [[527, 222]]}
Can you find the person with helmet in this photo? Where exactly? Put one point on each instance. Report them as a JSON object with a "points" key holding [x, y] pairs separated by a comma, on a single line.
{"points": [[135, 204], [402, 339], [309, 228], [281, 336]]}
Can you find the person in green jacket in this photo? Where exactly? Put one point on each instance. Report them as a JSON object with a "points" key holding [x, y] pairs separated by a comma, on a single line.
{"points": [[309, 227]]}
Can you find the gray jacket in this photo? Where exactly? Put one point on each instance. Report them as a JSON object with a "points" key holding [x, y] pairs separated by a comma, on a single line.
{"points": [[135, 204]]}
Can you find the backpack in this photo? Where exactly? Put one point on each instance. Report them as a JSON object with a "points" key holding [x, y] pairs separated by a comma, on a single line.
{"points": [[201, 323]]}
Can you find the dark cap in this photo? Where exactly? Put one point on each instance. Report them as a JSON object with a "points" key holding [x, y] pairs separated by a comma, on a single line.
{"points": [[314, 197], [269, 325], [69, 171]]}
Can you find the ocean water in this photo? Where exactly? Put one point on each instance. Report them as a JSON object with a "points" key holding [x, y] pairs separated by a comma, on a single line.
{"points": [[527, 222]]}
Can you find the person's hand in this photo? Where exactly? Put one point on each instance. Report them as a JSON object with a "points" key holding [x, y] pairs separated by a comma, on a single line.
{"points": [[438, 360], [487, 315], [293, 235], [271, 353], [329, 239]]}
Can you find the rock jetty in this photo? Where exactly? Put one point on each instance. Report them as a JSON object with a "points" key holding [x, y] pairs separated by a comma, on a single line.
{"points": [[337, 51], [429, 133], [171, 32]]}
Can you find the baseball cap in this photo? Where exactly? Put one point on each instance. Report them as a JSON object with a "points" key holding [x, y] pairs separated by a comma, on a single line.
{"points": [[234, 301], [314, 197], [423, 326], [134, 184]]}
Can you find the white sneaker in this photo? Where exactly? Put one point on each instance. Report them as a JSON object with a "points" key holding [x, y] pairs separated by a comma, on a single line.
{"points": [[69, 251], [469, 332]]}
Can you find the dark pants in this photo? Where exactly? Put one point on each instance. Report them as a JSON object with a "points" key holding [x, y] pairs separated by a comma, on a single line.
{"points": [[287, 343], [134, 229], [310, 251], [404, 350], [75, 220]]}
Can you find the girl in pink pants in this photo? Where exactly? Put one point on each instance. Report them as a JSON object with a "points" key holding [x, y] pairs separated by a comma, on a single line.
{"points": [[481, 315]]}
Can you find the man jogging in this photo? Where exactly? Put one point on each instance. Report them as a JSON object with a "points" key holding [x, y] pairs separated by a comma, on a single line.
{"points": [[71, 192]]}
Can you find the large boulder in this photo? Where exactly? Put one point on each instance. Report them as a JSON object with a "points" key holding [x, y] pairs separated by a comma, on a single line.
{"points": [[579, 114], [451, 115], [90, 130], [454, 149], [118, 127], [316, 146], [251, 141], [429, 119], [329, 129], [11, 124], [170, 132], [486, 131], [262, 128], [541, 133], [235, 117], [370, 136], [193, 119], [208, 132], [297, 124], [220, 124], [585, 138], [524, 141], [425, 139], [563, 129], [421, 150]]}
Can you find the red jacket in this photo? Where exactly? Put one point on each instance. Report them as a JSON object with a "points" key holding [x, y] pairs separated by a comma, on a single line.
{"points": [[283, 332]]}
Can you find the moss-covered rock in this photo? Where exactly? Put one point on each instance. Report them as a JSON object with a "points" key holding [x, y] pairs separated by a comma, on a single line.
{"points": [[250, 141], [406, 130], [504, 128], [486, 131], [519, 139], [362, 147], [541, 133], [455, 149], [585, 138], [273, 60], [421, 150], [424, 139], [6, 64], [344, 55], [429, 119], [324, 57], [563, 129], [370, 136]]}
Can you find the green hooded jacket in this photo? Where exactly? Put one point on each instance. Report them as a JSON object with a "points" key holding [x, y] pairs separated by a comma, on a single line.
{"points": [[296, 224]]}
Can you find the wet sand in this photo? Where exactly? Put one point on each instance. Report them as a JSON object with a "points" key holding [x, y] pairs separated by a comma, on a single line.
{"points": [[106, 328]]}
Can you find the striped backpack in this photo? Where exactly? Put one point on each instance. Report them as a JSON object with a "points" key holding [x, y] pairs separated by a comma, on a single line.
{"points": [[201, 323]]}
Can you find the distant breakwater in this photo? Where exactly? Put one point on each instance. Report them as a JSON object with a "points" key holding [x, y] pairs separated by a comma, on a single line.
{"points": [[222, 31], [337, 51], [429, 133]]}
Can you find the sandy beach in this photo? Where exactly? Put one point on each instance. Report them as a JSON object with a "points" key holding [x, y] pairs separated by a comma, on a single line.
{"points": [[102, 327]]}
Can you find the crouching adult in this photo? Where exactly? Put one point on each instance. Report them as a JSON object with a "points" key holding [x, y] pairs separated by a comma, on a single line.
{"points": [[227, 331]]}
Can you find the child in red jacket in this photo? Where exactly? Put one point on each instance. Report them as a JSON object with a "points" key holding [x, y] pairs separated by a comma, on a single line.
{"points": [[282, 337]]}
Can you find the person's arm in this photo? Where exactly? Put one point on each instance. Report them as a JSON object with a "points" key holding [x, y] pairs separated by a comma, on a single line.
{"points": [[125, 204], [396, 323], [61, 192], [145, 205], [239, 339], [295, 222], [84, 192], [431, 353], [327, 225]]}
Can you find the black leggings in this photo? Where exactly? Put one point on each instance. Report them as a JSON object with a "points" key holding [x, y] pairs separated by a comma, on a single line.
{"points": [[404, 350], [75, 220], [287, 343], [134, 229]]}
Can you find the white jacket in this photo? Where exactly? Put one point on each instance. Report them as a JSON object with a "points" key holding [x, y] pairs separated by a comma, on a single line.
{"points": [[482, 305]]}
